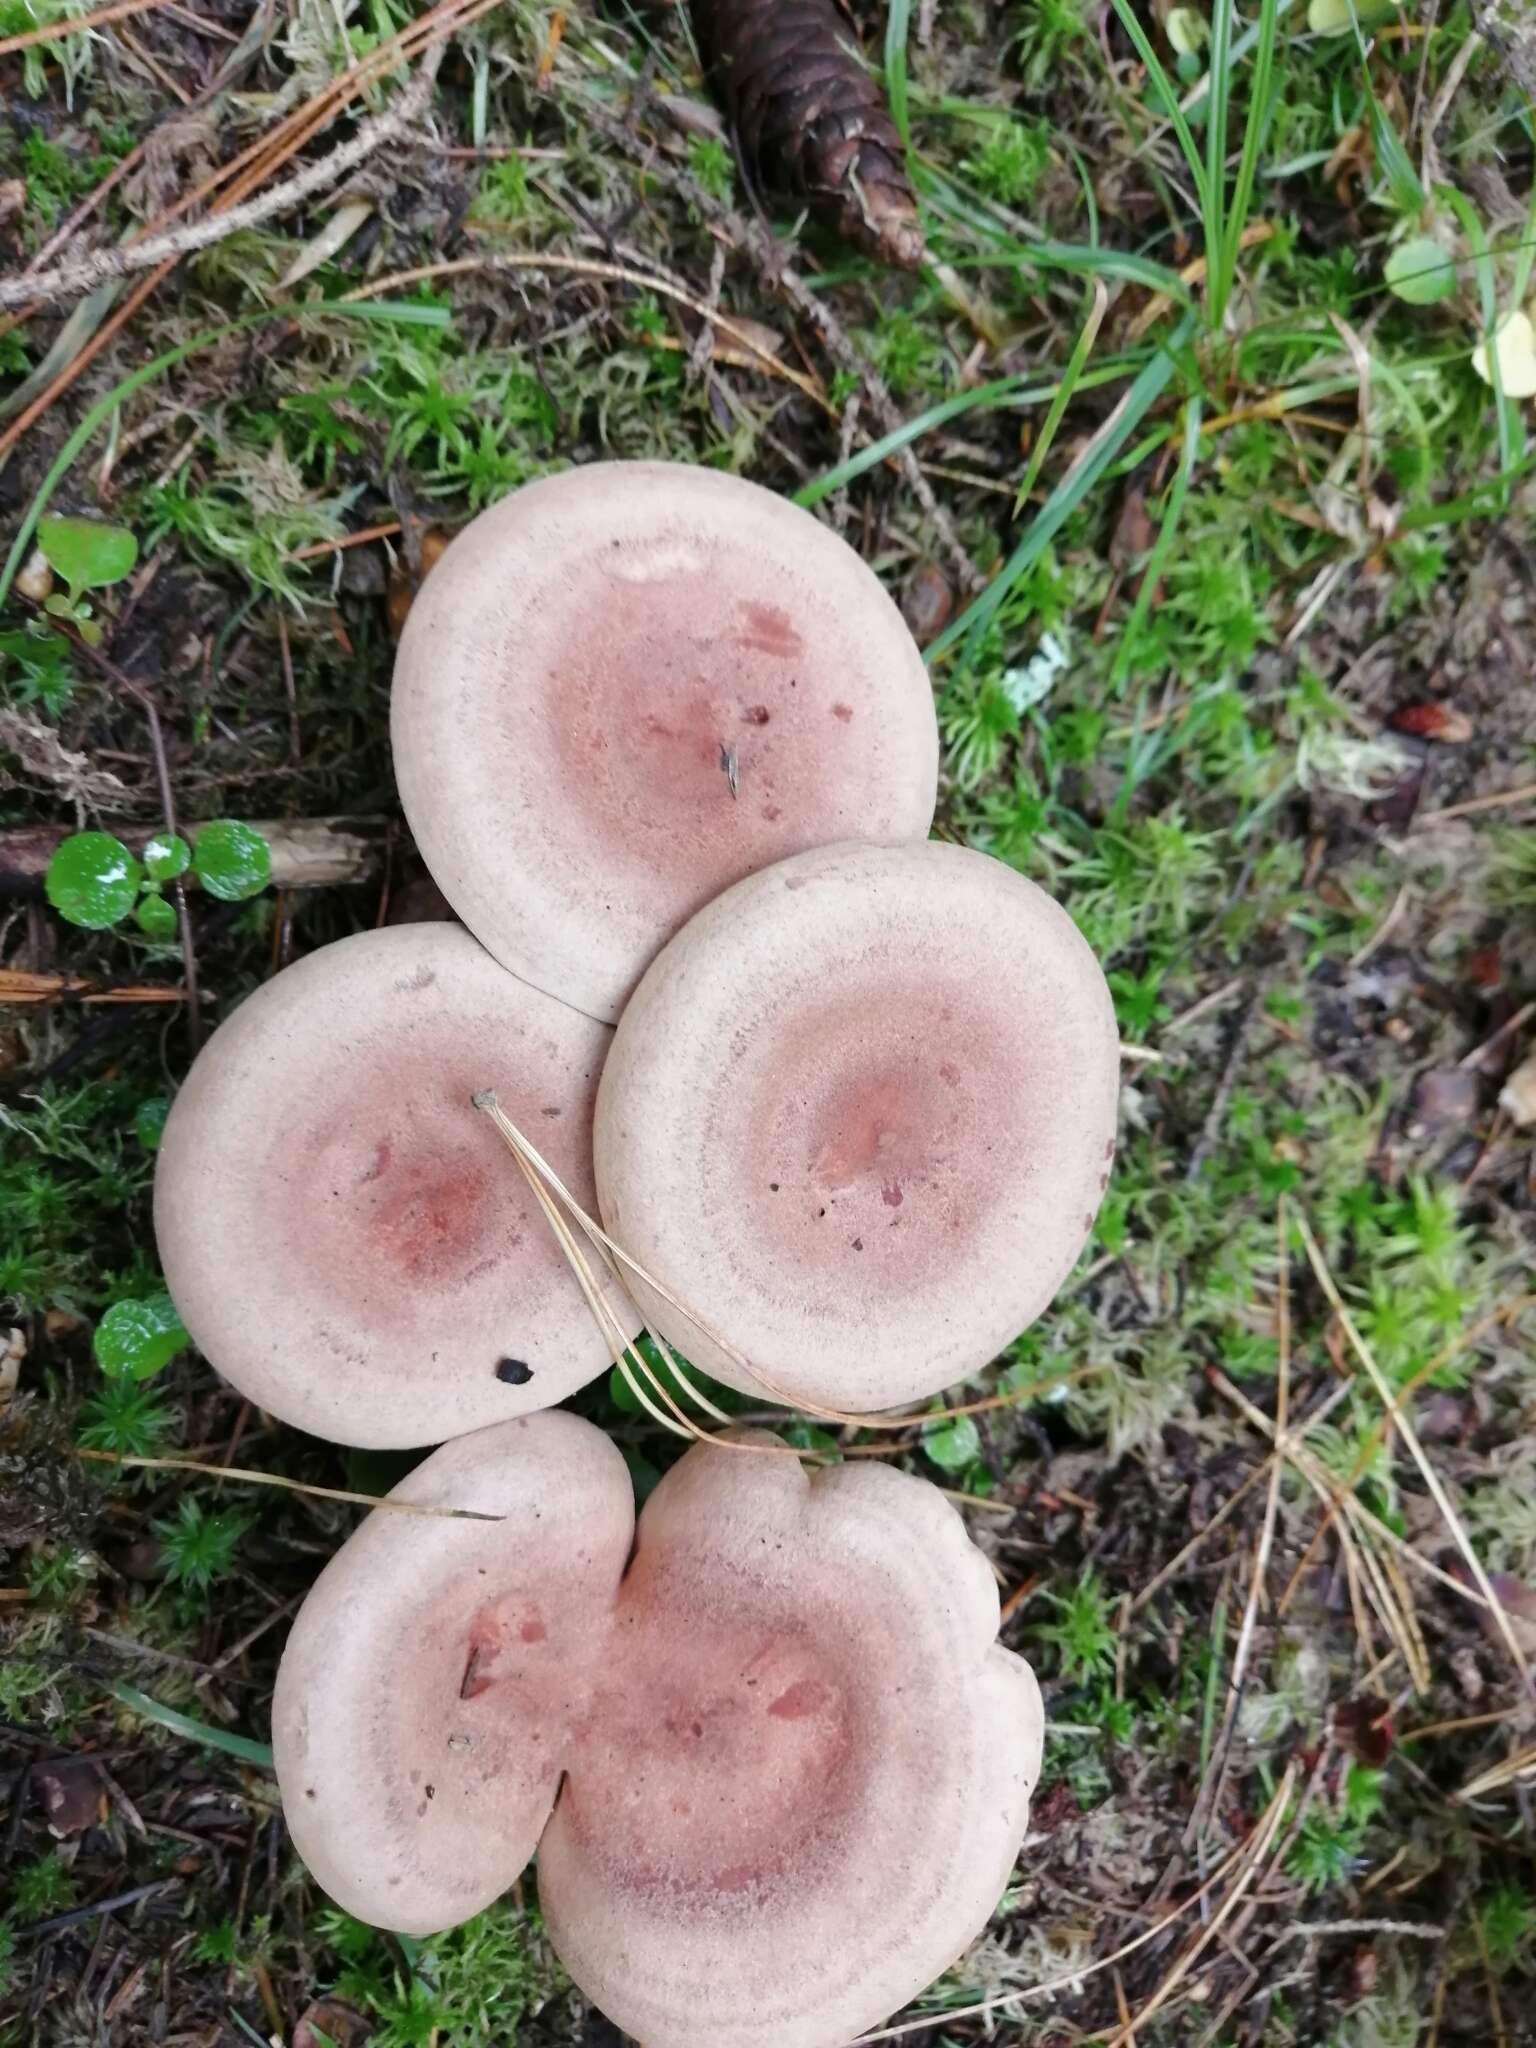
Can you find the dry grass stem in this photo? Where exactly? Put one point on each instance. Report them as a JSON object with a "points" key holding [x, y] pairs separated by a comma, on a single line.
{"points": [[540, 1171], [617, 273], [74, 25], [1243, 1862], [245, 1477], [1416, 1450], [1519, 1769], [1211, 1791], [1394, 1609]]}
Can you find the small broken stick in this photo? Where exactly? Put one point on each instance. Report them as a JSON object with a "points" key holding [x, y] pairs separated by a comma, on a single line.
{"points": [[811, 123]]}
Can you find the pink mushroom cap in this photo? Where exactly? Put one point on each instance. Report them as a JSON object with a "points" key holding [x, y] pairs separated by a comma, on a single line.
{"points": [[625, 687], [777, 1772], [347, 1239], [857, 1119]]}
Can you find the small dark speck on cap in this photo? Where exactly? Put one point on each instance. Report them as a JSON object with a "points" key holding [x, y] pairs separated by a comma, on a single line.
{"points": [[513, 1373]]}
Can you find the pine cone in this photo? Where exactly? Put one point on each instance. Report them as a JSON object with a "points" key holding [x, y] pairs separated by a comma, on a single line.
{"points": [[810, 121]]}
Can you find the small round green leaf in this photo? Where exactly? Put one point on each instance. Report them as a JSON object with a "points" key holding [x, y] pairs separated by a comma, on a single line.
{"points": [[1186, 29], [1338, 17], [166, 856], [953, 1445], [87, 553], [231, 861], [149, 1121], [137, 1339], [93, 880], [155, 917], [1419, 272], [805, 1436]]}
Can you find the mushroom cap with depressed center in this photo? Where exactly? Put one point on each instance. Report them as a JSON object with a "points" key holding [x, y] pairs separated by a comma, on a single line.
{"points": [[858, 1118], [345, 1236], [625, 687], [796, 1764]]}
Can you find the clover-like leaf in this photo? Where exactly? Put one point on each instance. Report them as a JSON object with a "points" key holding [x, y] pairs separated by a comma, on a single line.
{"points": [[1337, 17], [953, 1445], [87, 553], [1419, 273], [137, 1339], [232, 861], [155, 917], [149, 1121], [93, 880], [166, 856]]}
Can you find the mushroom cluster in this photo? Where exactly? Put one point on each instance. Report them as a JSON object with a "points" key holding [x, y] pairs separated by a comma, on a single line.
{"points": [[774, 1763], [844, 1100]]}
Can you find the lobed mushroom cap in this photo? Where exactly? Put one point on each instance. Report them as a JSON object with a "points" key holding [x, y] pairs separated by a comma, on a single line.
{"points": [[345, 1236], [416, 1770], [858, 1117], [625, 687], [797, 1766], [813, 1806]]}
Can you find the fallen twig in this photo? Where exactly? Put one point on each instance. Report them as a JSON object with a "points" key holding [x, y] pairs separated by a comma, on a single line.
{"points": [[18, 987], [70, 280], [307, 853]]}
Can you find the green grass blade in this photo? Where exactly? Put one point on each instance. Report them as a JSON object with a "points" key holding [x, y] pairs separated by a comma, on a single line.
{"points": [[896, 24], [1169, 98], [1256, 127], [1079, 258], [1473, 504], [1002, 391], [1391, 157], [1219, 226], [1156, 561], [240, 1746], [1143, 393], [1076, 363], [377, 309], [1200, 91], [1506, 418], [999, 390], [1525, 254]]}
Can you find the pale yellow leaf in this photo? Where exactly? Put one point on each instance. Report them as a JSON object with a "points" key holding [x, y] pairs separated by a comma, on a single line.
{"points": [[1514, 344], [1186, 29]]}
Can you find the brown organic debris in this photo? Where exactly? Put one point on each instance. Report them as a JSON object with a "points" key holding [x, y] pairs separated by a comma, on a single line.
{"points": [[810, 121], [927, 602], [1433, 721], [330, 2023], [72, 1796], [1446, 1098]]}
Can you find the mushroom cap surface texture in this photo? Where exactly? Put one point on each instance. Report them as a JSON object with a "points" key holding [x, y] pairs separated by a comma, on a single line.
{"points": [[623, 688], [346, 1238], [796, 1763], [858, 1118]]}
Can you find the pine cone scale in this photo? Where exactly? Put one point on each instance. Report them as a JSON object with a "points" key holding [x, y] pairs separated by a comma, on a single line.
{"points": [[810, 121]]}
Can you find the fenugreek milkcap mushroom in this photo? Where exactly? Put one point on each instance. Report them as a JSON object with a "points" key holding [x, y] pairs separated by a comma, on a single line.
{"points": [[777, 1770], [857, 1120], [346, 1239], [627, 686]]}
